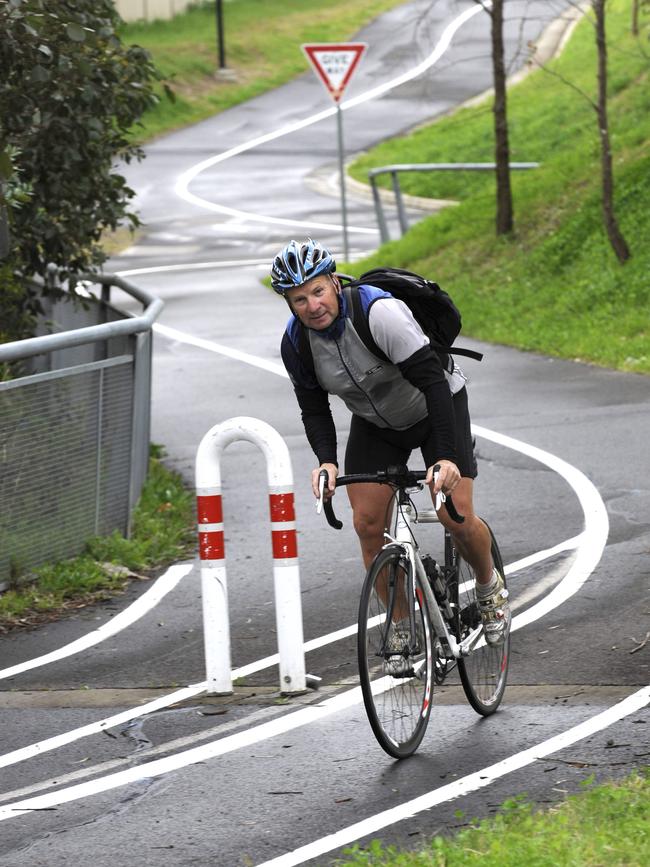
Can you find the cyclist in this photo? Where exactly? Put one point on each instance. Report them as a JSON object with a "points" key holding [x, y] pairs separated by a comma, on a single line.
{"points": [[413, 402]]}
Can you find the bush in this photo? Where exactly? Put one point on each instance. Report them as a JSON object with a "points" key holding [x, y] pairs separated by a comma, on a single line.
{"points": [[70, 92]]}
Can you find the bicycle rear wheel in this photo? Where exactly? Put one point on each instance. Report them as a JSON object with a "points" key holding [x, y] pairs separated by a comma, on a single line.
{"points": [[398, 705], [484, 672]]}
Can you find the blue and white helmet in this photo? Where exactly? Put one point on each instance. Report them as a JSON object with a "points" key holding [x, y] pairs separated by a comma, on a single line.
{"points": [[299, 262]]}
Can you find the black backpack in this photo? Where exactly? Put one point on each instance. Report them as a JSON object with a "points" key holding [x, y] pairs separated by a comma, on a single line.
{"points": [[433, 309]]}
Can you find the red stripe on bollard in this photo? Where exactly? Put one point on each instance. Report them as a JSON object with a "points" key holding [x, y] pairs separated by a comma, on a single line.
{"points": [[209, 509], [282, 508], [212, 546], [285, 544]]}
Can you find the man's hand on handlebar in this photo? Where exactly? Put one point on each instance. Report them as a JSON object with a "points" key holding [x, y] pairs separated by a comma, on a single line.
{"points": [[330, 487], [444, 475]]}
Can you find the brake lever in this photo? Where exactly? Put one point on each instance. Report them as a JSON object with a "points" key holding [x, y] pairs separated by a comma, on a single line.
{"points": [[440, 496], [322, 503], [443, 498]]}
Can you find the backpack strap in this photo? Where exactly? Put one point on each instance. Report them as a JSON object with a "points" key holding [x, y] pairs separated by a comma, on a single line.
{"points": [[459, 350], [360, 320], [304, 349]]}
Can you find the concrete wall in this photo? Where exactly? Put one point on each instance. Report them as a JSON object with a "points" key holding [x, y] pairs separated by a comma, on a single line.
{"points": [[133, 10]]}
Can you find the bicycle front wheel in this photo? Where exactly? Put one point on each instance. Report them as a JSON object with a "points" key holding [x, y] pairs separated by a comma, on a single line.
{"points": [[397, 688], [484, 672]]}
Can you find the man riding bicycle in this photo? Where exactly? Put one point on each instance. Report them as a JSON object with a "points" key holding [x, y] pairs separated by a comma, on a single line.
{"points": [[410, 402]]}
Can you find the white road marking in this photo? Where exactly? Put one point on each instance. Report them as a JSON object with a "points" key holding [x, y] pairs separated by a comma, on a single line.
{"points": [[591, 543], [312, 713], [196, 266], [538, 556], [166, 747], [182, 185], [470, 783], [592, 540], [57, 741], [211, 346], [125, 618], [163, 701], [306, 716]]}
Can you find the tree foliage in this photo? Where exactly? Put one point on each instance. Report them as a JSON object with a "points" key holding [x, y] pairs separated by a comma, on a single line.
{"points": [[70, 91]]}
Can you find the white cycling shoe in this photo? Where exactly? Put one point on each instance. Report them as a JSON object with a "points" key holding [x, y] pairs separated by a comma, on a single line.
{"points": [[495, 612]]}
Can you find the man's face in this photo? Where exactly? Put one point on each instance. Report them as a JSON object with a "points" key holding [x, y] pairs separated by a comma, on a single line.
{"points": [[316, 302]]}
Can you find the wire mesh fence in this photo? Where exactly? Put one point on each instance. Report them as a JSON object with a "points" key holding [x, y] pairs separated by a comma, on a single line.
{"points": [[65, 463], [74, 438]]}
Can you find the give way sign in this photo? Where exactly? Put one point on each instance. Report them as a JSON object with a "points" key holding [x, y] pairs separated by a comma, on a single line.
{"points": [[334, 63]]}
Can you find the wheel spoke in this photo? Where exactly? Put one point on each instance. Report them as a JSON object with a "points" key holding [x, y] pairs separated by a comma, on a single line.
{"points": [[398, 704], [484, 672]]}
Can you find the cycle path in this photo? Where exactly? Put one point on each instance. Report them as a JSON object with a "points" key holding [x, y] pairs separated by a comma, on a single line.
{"points": [[576, 411]]}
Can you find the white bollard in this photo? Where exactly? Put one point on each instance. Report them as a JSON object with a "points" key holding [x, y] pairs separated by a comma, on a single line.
{"points": [[286, 575]]}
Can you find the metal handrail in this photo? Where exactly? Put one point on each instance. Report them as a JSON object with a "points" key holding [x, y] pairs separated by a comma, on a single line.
{"points": [[428, 167], [394, 170], [18, 349]]}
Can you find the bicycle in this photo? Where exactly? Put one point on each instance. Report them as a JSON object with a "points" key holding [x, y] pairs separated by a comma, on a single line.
{"points": [[438, 602]]}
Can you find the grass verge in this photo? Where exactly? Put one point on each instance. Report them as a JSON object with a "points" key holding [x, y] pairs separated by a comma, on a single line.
{"points": [[554, 285], [262, 48], [603, 825], [162, 533]]}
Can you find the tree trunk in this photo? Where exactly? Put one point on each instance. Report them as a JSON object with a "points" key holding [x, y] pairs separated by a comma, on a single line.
{"points": [[635, 17], [504, 218], [616, 239]]}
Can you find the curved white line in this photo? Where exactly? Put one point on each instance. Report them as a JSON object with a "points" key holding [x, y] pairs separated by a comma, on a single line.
{"points": [[592, 540], [211, 346], [201, 266], [182, 185], [94, 728], [194, 266], [596, 523], [308, 715], [470, 783], [538, 556], [125, 618]]}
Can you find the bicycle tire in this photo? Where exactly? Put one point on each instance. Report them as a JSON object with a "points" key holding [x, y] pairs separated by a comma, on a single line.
{"points": [[398, 707], [484, 673]]}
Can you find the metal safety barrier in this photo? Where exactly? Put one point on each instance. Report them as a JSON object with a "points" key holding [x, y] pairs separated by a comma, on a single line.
{"points": [[394, 171], [74, 427], [286, 576]]}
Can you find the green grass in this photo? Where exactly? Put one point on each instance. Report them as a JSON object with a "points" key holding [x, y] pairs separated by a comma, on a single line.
{"points": [[262, 48], [603, 825], [162, 532], [555, 286]]}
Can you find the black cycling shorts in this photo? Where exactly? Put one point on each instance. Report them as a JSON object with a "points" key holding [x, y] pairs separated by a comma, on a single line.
{"points": [[371, 448]]}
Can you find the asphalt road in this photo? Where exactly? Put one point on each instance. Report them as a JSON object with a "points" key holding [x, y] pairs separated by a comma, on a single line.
{"points": [[270, 775]]}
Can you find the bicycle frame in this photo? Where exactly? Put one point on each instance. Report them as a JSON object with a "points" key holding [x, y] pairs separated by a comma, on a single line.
{"points": [[405, 539]]}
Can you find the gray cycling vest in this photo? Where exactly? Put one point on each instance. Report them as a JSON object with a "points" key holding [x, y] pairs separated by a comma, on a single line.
{"points": [[370, 387]]}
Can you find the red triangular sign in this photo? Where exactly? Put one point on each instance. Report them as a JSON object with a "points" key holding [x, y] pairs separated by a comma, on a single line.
{"points": [[334, 63]]}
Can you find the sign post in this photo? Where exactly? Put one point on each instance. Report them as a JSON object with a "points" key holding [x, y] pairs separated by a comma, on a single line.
{"points": [[334, 64]]}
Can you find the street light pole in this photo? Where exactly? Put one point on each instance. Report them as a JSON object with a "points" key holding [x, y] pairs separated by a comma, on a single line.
{"points": [[220, 34], [344, 208]]}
